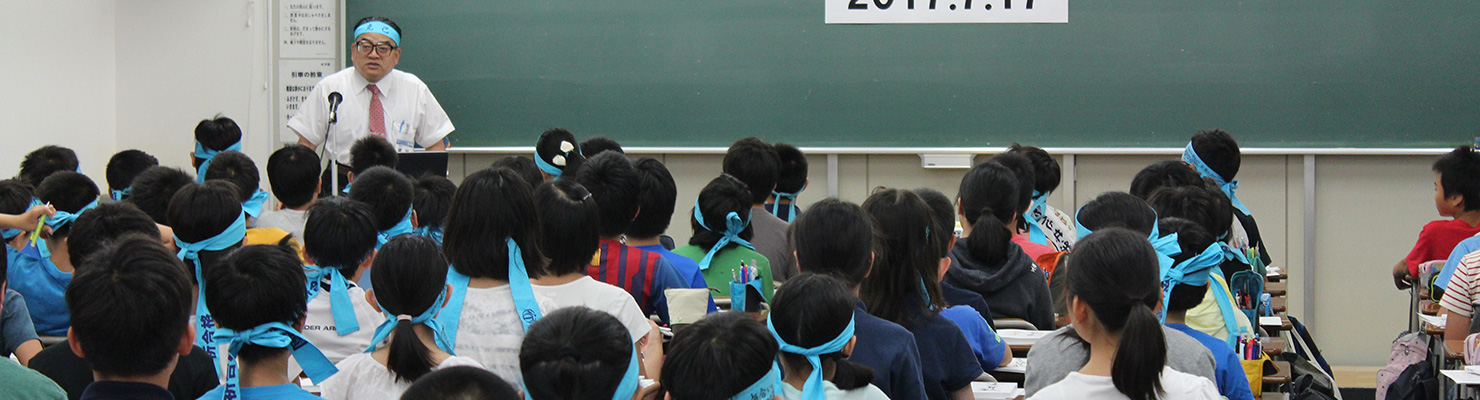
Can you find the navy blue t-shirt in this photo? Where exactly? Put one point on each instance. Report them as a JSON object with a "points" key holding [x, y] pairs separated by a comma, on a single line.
{"points": [[890, 351], [961, 297], [947, 363]]}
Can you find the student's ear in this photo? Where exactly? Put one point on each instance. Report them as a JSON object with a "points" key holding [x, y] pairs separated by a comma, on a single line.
{"points": [[77, 346], [370, 297], [951, 245], [1078, 311], [415, 222], [637, 213], [960, 209], [350, 176], [871, 257], [848, 348], [298, 325], [308, 260], [318, 188], [370, 259], [187, 341], [945, 265]]}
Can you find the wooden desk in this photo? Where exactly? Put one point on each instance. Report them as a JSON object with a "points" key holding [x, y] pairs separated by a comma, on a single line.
{"points": [[1281, 277], [1280, 377], [1275, 288], [1272, 346], [1428, 307], [1283, 325], [1432, 329]]}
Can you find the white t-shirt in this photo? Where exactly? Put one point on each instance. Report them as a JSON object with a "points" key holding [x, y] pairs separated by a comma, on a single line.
{"points": [[318, 326], [289, 220], [600, 296], [1175, 386], [1461, 294], [831, 392], [360, 377], [412, 115], [489, 331]]}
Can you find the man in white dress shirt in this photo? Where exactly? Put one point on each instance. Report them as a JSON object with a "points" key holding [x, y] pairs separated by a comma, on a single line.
{"points": [[376, 98]]}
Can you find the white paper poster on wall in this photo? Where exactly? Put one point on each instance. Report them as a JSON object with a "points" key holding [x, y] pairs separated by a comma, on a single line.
{"points": [[306, 28], [945, 11], [295, 79]]}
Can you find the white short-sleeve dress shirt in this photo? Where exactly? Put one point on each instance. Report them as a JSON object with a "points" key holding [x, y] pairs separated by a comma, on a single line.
{"points": [[412, 115]]}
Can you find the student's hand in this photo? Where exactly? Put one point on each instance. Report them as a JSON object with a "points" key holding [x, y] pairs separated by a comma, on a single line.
{"points": [[29, 219], [1401, 279]]}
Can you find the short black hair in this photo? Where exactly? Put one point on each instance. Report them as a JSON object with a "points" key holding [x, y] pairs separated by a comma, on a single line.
{"points": [[217, 133], [339, 232], [67, 191], [558, 148], [717, 357], [1219, 151], [657, 195], [1459, 173], [371, 151], [1204, 205], [1117, 210], [109, 221], [387, 21], [598, 144], [1046, 171], [387, 191], [15, 197], [1022, 168], [792, 177], [237, 168], [810, 311], [460, 383], [834, 237], [474, 237], [253, 286], [44, 161], [200, 211], [569, 225], [293, 173], [130, 308], [1192, 239], [125, 165], [524, 166], [614, 182], [756, 163], [603, 349], [154, 188], [722, 196], [1162, 174], [433, 198]]}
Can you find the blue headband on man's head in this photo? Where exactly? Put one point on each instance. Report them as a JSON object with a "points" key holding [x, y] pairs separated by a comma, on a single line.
{"points": [[1190, 157], [381, 28], [275, 335], [63, 218], [401, 228], [812, 389], [733, 226], [206, 155], [426, 318], [339, 302], [524, 301]]}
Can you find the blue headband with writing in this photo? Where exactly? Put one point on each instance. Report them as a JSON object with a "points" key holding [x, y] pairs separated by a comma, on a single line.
{"points": [[1035, 229], [205, 155], [426, 318], [381, 28], [339, 303], [733, 226], [275, 335], [63, 218], [401, 228], [191, 251], [765, 388], [524, 300], [1190, 157], [253, 205], [812, 389]]}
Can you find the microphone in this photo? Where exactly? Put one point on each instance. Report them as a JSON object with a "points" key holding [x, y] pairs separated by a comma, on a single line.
{"points": [[334, 100]]}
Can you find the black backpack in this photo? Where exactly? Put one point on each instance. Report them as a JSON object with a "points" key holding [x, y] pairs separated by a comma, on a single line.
{"points": [[1417, 382]]}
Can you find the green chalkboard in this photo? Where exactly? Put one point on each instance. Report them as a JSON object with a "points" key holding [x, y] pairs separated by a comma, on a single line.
{"points": [[1347, 73]]}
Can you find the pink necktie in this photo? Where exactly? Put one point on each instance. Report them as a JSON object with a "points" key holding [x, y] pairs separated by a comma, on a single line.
{"points": [[377, 112]]}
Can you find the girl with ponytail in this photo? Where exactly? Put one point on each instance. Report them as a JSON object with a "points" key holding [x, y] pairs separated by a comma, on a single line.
{"points": [[413, 288], [557, 153], [987, 261], [813, 323], [1113, 286]]}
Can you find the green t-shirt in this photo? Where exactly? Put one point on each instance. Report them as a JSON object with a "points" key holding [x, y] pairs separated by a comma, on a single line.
{"points": [[721, 269], [21, 383]]}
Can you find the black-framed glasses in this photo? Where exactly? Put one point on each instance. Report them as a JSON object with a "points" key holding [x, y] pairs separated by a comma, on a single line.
{"points": [[365, 47]]}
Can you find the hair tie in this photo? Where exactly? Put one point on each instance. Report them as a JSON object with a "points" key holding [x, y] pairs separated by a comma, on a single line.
{"points": [[403, 317]]}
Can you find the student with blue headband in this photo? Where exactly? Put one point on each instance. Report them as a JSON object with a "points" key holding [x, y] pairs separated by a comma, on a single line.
{"points": [[293, 173], [721, 240], [240, 170], [122, 168], [1186, 283], [214, 136], [339, 242], [44, 268], [1047, 225], [790, 182], [579, 353], [255, 296], [433, 197], [726, 355], [389, 194], [16, 197], [494, 252], [813, 325], [375, 99], [44, 161], [1215, 155], [557, 152], [208, 224], [1207, 207], [413, 276], [756, 163]]}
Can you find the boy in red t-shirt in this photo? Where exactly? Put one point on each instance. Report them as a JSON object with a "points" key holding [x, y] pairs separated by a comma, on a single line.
{"points": [[1456, 180]]}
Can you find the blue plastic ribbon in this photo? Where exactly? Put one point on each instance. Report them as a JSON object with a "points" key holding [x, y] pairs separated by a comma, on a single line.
{"points": [[524, 301], [205, 155], [766, 388], [119, 194], [812, 389], [733, 226], [429, 231], [63, 218], [381, 28], [339, 303], [275, 335], [1040, 207], [253, 205], [1190, 157], [426, 318], [401, 228]]}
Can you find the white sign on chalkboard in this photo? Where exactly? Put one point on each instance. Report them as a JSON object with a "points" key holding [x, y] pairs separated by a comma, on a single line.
{"points": [[295, 79], [306, 28], [945, 11]]}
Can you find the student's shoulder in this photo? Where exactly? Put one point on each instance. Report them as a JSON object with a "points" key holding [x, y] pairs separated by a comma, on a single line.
{"points": [[689, 251], [881, 331], [746, 254], [27, 383], [407, 78], [1182, 385]]}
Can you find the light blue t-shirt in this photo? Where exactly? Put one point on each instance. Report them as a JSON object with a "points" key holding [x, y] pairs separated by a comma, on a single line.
{"points": [[286, 391], [1232, 383], [1464, 247], [984, 341], [44, 287], [686, 267]]}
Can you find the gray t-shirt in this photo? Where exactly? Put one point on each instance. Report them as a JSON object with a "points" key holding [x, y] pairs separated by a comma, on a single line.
{"points": [[1058, 354], [770, 241], [288, 220], [15, 323]]}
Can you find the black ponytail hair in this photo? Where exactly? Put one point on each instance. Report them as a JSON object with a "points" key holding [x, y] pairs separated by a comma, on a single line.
{"points": [[810, 310], [551, 145], [905, 282], [1115, 272], [411, 275], [988, 199], [722, 196], [569, 224], [1117, 210], [575, 353], [717, 357]]}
